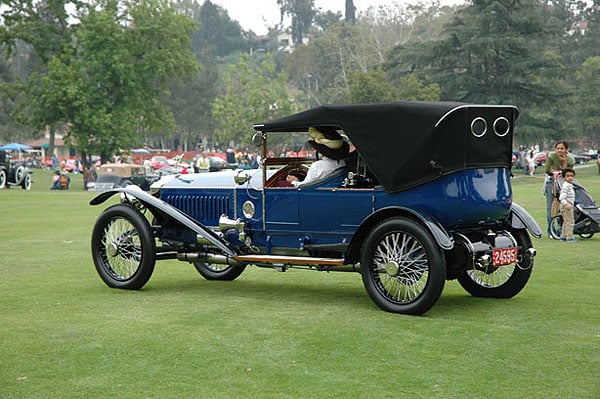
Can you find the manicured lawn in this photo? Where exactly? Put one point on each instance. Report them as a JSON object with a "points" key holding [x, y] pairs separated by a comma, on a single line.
{"points": [[299, 334]]}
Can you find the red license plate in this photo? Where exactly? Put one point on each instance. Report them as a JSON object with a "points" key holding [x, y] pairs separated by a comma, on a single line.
{"points": [[504, 256]]}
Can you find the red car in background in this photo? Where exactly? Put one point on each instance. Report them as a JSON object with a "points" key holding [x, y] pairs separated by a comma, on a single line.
{"points": [[72, 166], [159, 162]]}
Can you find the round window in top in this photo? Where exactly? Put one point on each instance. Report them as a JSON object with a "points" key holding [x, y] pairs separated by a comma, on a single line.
{"points": [[478, 126], [501, 126]]}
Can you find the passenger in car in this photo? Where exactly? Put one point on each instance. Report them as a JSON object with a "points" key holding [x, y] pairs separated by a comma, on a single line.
{"points": [[333, 149]]}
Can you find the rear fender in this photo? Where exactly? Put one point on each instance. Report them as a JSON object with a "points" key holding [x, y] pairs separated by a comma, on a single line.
{"points": [[156, 206], [521, 219], [438, 232]]}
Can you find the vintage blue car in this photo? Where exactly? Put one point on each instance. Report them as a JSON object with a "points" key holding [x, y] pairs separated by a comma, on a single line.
{"points": [[423, 196]]}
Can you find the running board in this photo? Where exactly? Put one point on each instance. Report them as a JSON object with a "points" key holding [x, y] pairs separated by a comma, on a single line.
{"points": [[289, 260]]}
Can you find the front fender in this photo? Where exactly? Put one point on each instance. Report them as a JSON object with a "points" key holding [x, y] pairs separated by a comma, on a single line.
{"points": [[521, 219], [156, 205]]}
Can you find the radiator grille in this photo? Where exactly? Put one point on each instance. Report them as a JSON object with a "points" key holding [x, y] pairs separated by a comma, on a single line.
{"points": [[204, 208]]}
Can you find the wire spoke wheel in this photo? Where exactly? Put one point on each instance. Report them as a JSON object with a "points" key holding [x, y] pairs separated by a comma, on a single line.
{"points": [[211, 271], [502, 281], [492, 279], [402, 267], [123, 247]]}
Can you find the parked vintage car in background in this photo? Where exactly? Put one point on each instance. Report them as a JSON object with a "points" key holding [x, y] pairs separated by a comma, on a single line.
{"points": [[424, 197], [13, 173], [114, 175]]}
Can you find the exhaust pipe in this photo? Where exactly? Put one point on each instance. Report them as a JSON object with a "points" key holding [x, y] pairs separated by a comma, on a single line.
{"points": [[208, 258]]}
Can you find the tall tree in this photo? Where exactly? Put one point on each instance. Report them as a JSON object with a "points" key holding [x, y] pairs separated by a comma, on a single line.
{"points": [[588, 98], [495, 52], [350, 14], [44, 27], [115, 86], [302, 13], [217, 32]]}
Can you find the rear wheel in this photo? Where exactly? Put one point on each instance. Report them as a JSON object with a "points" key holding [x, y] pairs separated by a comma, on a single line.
{"points": [[123, 247], [504, 281], [402, 267], [219, 272], [26, 183], [2, 178]]}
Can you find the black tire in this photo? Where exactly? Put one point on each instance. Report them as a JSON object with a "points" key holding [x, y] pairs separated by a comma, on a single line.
{"points": [[219, 272], [123, 247], [556, 227], [504, 281], [26, 183], [402, 267], [19, 174], [2, 178]]}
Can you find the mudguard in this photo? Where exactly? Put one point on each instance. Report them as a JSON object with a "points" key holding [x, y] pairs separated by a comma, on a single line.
{"points": [[521, 219], [439, 233], [156, 205]]}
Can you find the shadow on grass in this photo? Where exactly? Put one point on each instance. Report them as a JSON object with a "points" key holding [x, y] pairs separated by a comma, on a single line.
{"points": [[346, 293]]}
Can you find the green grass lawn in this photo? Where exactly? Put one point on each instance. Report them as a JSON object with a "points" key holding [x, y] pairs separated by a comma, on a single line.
{"points": [[299, 334]]}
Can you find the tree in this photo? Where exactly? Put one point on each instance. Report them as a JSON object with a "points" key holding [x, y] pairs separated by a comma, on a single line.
{"points": [[588, 79], [217, 32], [44, 27], [495, 52], [350, 14], [302, 13], [375, 86], [253, 92]]}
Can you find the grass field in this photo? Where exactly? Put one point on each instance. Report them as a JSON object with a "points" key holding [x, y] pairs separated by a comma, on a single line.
{"points": [[299, 334]]}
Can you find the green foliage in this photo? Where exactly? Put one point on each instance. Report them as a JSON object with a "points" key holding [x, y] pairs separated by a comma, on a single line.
{"points": [[216, 32], [375, 86], [302, 12], [588, 79], [298, 334], [494, 52], [253, 92]]}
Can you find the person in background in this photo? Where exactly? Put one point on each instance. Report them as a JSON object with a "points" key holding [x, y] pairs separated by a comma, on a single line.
{"points": [[531, 162], [567, 205], [556, 161], [202, 164]]}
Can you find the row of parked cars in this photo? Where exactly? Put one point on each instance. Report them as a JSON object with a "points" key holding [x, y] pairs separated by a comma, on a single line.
{"points": [[114, 175]]}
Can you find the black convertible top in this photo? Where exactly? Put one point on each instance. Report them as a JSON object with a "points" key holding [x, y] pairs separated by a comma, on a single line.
{"points": [[406, 144]]}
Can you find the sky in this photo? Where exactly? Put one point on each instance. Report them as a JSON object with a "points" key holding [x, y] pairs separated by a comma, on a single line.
{"points": [[256, 15]]}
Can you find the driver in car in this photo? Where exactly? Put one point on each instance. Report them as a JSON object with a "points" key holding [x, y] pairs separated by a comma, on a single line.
{"points": [[333, 149]]}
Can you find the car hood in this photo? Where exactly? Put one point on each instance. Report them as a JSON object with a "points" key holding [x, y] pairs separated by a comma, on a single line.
{"points": [[221, 179]]}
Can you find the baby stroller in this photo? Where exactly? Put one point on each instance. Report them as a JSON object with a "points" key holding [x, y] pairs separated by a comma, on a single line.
{"points": [[586, 214]]}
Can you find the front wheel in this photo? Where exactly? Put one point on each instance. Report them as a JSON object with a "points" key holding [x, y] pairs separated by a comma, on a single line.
{"points": [[503, 281], [218, 272], [402, 267], [2, 178], [123, 247], [556, 227]]}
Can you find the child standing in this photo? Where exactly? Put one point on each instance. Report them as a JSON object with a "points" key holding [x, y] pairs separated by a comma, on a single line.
{"points": [[567, 203]]}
